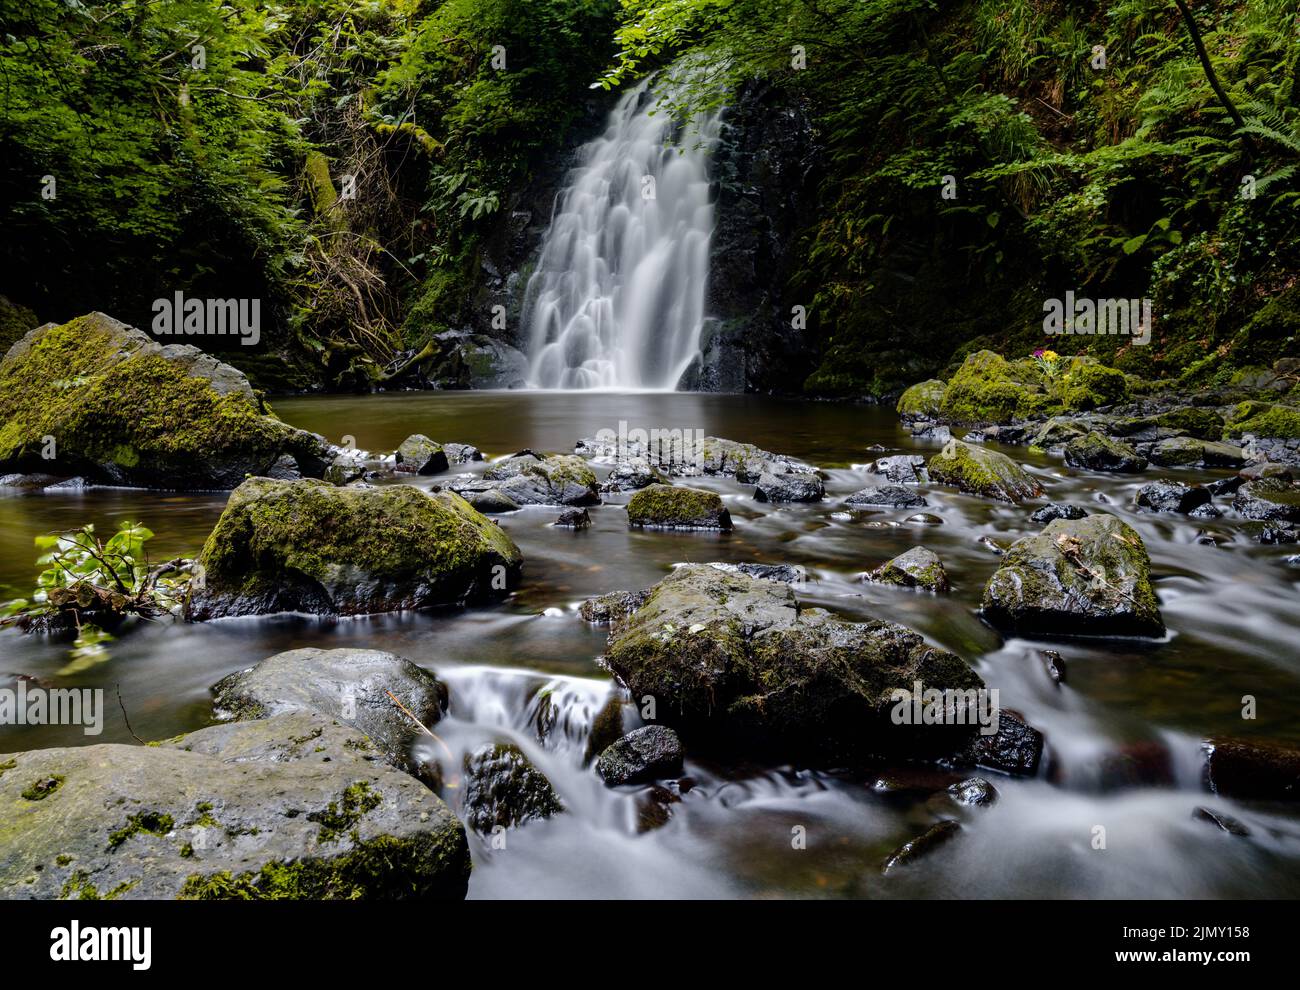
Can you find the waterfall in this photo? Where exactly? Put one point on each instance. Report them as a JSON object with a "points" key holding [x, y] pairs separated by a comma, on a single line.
{"points": [[617, 298]]}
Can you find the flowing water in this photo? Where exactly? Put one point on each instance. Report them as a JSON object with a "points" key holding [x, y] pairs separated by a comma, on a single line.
{"points": [[617, 298], [1231, 611]]}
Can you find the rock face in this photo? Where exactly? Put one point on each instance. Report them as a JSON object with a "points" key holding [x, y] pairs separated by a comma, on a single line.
{"points": [[294, 806], [1172, 496], [669, 507], [978, 471], [793, 487], [346, 685], [648, 753], [890, 496], [1097, 452], [1088, 576], [307, 546], [122, 409], [735, 660], [421, 455], [528, 478], [503, 789], [917, 568], [1269, 500]]}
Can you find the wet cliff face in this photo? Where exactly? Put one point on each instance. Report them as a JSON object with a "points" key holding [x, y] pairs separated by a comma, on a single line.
{"points": [[765, 172]]}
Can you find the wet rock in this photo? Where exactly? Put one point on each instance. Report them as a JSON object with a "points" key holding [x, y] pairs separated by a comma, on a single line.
{"points": [[1015, 748], [1172, 496], [901, 469], [789, 488], [1224, 486], [293, 806], [675, 507], [977, 471], [736, 661], [1206, 511], [649, 753], [1097, 452], [924, 519], [785, 573], [1223, 821], [612, 607], [890, 496], [1088, 576], [1264, 469], [912, 779], [503, 789], [916, 568], [1274, 535], [921, 401], [490, 501], [1057, 510], [529, 478], [349, 685], [743, 461], [307, 546], [992, 545], [929, 840], [654, 809], [461, 453], [1057, 432], [974, 791], [573, 519], [1191, 452], [633, 474], [1054, 664], [420, 455], [1250, 770], [1269, 500], [1146, 763]]}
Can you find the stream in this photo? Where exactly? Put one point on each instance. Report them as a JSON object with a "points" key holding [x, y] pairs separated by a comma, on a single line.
{"points": [[726, 831]]}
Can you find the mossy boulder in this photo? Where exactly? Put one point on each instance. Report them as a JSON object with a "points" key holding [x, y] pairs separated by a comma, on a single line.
{"points": [[1090, 386], [979, 471], [502, 789], [1097, 452], [307, 546], [290, 807], [1194, 421], [916, 568], [1057, 431], [678, 507], [1089, 576], [1263, 419], [108, 403], [735, 662], [988, 389], [1191, 452], [420, 455], [923, 400], [529, 478]]}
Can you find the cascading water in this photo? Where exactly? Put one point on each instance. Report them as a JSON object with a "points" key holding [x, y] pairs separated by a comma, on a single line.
{"points": [[617, 299]]}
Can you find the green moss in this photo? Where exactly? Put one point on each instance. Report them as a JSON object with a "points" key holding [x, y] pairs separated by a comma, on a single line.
{"points": [[677, 507], [343, 815], [922, 399], [63, 859], [151, 822], [1265, 420], [1205, 424], [978, 471], [39, 790], [1090, 386], [79, 888], [7, 765]]}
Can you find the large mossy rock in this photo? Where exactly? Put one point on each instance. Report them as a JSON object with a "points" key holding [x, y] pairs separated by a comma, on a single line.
{"points": [[1191, 452], [294, 806], [915, 568], [307, 546], [988, 389], [735, 661], [528, 478], [1263, 419], [924, 400], [123, 409], [1089, 576], [978, 471], [678, 507], [1097, 452]]}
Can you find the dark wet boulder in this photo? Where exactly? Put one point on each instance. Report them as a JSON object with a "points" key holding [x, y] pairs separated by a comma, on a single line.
{"points": [[977, 471], [504, 790], [97, 398], [785, 573], [557, 479], [573, 519], [1054, 665], [1220, 820], [735, 661], [1250, 770], [974, 791], [1269, 500], [356, 687], [651, 752], [632, 475], [916, 568], [488, 499], [461, 453], [1141, 763], [901, 469], [1172, 496], [678, 507], [888, 496], [613, 606], [1015, 748], [1088, 576], [307, 546], [1206, 511], [294, 806], [794, 487], [1098, 452], [1191, 452], [1057, 510], [928, 841], [420, 455]]}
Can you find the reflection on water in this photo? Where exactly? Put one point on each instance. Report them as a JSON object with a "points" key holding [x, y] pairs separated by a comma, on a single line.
{"points": [[1231, 611]]}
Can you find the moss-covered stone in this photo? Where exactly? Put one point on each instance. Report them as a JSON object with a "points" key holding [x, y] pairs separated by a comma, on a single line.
{"points": [[1090, 386], [1097, 452], [922, 400], [529, 478], [916, 568], [670, 507], [1205, 424], [989, 389], [1189, 451], [108, 403], [979, 471], [1265, 420], [308, 546]]}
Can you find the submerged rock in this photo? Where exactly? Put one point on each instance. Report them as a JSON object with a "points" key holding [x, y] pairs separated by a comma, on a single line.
{"points": [[293, 806], [123, 409], [1057, 510], [928, 841], [974, 791], [793, 487], [1171, 496], [504, 789], [420, 455], [1220, 820], [676, 507], [891, 496], [1097, 452], [916, 568], [1088, 576], [648, 753], [556, 479], [978, 471], [306, 546], [1250, 770], [1269, 500], [736, 660], [1016, 748], [1054, 664], [573, 519]]}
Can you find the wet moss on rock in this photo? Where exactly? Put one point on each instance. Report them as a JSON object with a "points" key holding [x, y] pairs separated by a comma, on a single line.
{"points": [[676, 507]]}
